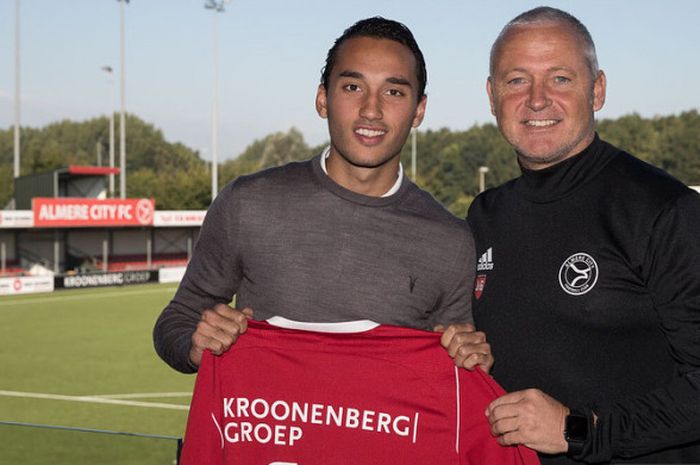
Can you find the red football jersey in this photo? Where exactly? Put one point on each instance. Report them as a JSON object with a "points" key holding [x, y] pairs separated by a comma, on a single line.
{"points": [[361, 394]]}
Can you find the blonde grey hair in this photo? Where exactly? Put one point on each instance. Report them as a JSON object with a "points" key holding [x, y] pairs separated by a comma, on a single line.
{"points": [[548, 15]]}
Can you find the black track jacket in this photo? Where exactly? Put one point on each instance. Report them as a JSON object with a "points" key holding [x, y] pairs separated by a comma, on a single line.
{"points": [[588, 288]]}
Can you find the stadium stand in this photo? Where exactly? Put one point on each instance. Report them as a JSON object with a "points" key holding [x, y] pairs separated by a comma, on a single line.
{"points": [[66, 224], [140, 262], [12, 268]]}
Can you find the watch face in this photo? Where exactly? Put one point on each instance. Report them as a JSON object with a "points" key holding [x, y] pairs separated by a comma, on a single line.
{"points": [[576, 427]]}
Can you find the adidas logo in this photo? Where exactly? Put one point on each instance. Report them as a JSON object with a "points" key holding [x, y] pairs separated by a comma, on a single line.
{"points": [[485, 262]]}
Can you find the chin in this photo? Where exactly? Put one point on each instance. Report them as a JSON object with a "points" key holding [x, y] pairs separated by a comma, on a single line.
{"points": [[370, 162], [542, 158]]}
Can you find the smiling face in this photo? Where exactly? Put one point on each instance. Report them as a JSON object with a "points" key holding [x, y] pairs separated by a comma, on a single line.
{"points": [[543, 95], [371, 104]]}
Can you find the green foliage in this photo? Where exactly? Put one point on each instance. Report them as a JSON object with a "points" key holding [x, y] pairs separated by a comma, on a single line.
{"points": [[447, 161], [671, 142], [6, 183], [176, 190], [274, 150], [173, 174]]}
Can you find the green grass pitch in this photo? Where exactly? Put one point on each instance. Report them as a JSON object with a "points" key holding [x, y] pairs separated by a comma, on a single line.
{"points": [[85, 358]]}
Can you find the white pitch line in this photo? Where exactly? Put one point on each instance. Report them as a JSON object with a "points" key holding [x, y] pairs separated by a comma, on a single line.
{"points": [[143, 395], [91, 399], [96, 295]]}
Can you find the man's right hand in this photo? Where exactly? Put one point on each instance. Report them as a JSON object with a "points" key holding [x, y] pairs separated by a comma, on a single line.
{"points": [[217, 330]]}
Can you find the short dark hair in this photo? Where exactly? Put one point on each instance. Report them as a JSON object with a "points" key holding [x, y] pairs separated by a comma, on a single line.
{"points": [[380, 28], [547, 14]]}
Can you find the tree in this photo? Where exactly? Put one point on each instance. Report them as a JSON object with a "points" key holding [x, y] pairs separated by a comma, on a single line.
{"points": [[274, 150], [447, 165], [153, 164]]}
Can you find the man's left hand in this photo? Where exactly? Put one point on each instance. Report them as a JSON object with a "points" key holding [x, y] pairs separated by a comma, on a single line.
{"points": [[467, 346]]}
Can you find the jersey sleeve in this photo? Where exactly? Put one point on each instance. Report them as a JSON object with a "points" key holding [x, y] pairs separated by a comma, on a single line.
{"points": [[477, 444], [204, 441], [456, 304], [213, 276], [668, 416]]}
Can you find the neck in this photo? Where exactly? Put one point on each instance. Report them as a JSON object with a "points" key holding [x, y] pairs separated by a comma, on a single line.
{"points": [[370, 181]]}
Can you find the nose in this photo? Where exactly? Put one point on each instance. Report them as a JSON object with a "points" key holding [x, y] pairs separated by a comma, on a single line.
{"points": [[371, 108], [538, 97]]}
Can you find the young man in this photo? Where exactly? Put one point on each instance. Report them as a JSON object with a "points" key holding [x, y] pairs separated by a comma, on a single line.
{"points": [[344, 236], [590, 282]]}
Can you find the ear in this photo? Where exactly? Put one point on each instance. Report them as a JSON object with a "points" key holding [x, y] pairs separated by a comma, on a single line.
{"points": [[599, 91], [420, 112], [489, 90], [322, 101]]}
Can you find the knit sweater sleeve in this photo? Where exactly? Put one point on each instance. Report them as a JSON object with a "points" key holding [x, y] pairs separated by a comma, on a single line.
{"points": [[668, 416], [456, 304], [213, 276]]}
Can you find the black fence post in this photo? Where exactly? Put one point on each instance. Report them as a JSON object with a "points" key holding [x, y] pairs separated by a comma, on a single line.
{"points": [[179, 451]]}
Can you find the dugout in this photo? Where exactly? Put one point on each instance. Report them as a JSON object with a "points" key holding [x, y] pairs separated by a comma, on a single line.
{"points": [[70, 181]]}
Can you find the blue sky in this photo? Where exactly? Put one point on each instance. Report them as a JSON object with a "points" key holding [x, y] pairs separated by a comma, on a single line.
{"points": [[271, 54]]}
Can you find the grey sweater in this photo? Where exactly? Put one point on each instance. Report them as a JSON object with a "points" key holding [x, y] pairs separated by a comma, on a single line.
{"points": [[289, 241]]}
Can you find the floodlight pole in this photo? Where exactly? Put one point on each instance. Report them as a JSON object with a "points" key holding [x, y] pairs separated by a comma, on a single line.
{"points": [[214, 115], [122, 115], [17, 91], [482, 178], [109, 71], [217, 7], [413, 153]]}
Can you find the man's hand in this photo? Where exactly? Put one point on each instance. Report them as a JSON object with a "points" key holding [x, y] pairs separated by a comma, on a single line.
{"points": [[531, 418], [217, 330], [467, 346]]}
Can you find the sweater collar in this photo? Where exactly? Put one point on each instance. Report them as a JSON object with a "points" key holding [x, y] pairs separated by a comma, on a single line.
{"points": [[347, 194], [393, 190], [560, 180]]}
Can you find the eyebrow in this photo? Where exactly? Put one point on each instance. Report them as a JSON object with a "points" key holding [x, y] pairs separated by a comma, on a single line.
{"points": [[516, 70], [351, 74], [549, 70], [399, 81], [562, 68]]}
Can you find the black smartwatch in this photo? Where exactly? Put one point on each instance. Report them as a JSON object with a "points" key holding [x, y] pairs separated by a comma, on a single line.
{"points": [[576, 430]]}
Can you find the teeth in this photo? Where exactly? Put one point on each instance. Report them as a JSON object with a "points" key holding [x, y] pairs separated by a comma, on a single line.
{"points": [[369, 132], [541, 122]]}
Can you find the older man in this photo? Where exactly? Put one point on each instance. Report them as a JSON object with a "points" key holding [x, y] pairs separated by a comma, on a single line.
{"points": [[588, 285]]}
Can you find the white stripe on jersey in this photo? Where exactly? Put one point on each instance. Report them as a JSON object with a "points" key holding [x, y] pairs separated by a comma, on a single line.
{"points": [[458, 412]]}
